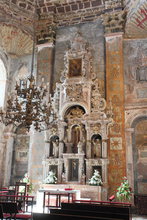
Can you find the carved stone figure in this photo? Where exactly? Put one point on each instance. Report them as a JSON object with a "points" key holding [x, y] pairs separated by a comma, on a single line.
{"points": [[96, 148], [56, 148], [80, 147]]}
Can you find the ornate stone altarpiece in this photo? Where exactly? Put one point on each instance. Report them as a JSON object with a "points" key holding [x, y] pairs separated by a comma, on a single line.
{"points": [[82, 123]]}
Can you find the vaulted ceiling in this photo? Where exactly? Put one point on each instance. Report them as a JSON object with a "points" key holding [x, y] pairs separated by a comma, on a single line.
{"points": [[17, 16]]}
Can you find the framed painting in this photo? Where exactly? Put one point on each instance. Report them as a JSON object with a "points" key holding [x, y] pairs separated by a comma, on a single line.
{"points": [[75, 67]]}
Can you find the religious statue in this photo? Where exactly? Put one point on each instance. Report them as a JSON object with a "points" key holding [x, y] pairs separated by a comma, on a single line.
{"points": [[96, 148], [80, 147], [56, 148], [63, 178]]}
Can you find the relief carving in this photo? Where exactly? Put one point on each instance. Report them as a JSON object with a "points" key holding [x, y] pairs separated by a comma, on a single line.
{"points": [[74, 92]]}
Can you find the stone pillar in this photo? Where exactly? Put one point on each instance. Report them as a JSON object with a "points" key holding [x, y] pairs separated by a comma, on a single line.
{"points": [[2, 153], [104, 149], [36, 157], [45, 169], [129, 156], [61, 148], [88, 149], [115, 93], [60, 169], [8, 157], [81, 167]]}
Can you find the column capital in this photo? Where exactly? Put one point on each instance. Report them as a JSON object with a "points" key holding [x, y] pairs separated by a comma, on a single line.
{"points": [[111, 35], [114, 22]]}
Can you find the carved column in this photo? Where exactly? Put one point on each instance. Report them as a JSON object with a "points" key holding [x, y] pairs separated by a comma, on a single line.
{"points": [[45, 34], [81, 166], [115, 93], [104, 148]]}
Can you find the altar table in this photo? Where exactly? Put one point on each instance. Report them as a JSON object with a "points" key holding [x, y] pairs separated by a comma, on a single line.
{"points": [[44, 196]]}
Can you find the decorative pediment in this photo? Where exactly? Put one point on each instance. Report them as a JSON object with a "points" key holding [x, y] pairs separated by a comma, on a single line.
{"points": [[77, 61]]}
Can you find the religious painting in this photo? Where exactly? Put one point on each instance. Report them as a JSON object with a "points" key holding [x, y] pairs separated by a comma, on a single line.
{"points": [[75, 67], [73, 169]]}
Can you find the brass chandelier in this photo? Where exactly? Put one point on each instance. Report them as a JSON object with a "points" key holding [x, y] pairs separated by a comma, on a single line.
{"points": [[30, 105]]}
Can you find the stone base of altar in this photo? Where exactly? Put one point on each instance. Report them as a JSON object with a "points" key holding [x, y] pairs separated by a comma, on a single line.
{"points": [[86, 191]]}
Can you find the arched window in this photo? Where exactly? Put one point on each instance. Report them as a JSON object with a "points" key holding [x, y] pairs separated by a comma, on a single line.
{"points": [[2, 82]]}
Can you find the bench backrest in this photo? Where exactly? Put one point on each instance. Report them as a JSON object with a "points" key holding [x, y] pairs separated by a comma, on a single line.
{"points": [[9, 207], [90, 213], [1, 211], [97, 207], [42, 216]]}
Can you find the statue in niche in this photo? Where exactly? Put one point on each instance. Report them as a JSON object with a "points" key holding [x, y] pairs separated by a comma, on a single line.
{"points": [[80, 147], [75, 138], [55, 147], [96, 145]]}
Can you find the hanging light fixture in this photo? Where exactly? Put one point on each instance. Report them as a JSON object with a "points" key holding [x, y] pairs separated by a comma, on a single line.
{"points": [[30, 105]]}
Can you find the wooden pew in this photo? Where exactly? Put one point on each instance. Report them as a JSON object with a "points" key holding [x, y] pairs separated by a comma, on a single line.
{"points": [[100, 215], [22, 201], [44, 216], [2, 215], [104, 210], [11, 209]]}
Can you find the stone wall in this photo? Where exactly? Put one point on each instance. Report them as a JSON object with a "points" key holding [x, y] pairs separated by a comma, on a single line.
{"points": [[135, 68], [93, 34], [135, 72]]}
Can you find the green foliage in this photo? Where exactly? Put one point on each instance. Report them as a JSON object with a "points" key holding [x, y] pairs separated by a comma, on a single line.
{"points": [[51, 178], [96, 179], [124, 192], [26, 179]]}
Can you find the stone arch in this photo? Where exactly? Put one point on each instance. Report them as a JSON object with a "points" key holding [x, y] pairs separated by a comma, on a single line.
{"points": [[66, 107], [131, 118], [139, 151], [76, 129]]}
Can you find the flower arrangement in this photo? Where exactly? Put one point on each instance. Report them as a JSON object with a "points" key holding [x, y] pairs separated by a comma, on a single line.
{"points": [[96, 179], [51, 178], [26, 179], [124, 191]]}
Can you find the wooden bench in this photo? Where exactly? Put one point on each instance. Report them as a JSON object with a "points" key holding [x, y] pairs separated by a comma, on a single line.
{"points": [[22, 201], [11, 209], [3, 215], [104, 210], [107, 215], [43, 216]]}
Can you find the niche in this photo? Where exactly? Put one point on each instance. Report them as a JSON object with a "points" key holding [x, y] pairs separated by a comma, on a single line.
{"points": [[96, 146]]}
